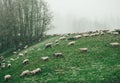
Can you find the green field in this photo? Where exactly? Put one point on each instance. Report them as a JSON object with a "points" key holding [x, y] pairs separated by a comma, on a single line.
{"points": [[101, 64]]}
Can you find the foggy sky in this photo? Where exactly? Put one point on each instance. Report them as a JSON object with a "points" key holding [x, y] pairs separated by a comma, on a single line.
{"points": [[69, 13]]}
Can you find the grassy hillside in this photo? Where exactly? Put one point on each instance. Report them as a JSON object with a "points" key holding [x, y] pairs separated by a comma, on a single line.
{"points": [[101, 64]]}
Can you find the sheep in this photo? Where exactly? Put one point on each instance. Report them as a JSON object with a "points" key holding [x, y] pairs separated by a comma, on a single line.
{"points": [[3, 65], [45, 58], [24, 73], [115, 33], [115, 44], [35, 71], [1, 58], [48, 45], [56, 41], [85, 35], [96, 34], [92, 34], [57, 54], [20, 54], [62, 38], [7, 77], [9, 65], [12, 59], [26, 46], [78, 36], [83, 49], [15, 52], [26, 61], [71, 43]]}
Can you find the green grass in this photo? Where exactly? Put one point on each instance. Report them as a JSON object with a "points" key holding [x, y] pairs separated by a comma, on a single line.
{"points": [[101, 64]]}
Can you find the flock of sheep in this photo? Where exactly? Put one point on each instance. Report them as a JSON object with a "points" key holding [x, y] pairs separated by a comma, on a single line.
{"points": [[49, 45]]}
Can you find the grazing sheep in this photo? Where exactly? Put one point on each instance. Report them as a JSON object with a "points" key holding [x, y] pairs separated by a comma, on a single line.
{"points": [[115, 33], [48, 45], [96, 34], [62, 38], [115, 44], [3, 65], [26, 61], [9, 65], [24, 73], [15, 52], [58, 54], [35, 71], [83, 49], [92, 34], [26, 47], [85, 35], [45, 58], [1, 58], [78, 36], [20, 54], [12, 59], [7, 77], [56, 41], [71, 43]]}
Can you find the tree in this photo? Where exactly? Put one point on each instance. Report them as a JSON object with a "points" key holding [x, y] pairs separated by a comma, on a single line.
{"points": [[22, 22]]}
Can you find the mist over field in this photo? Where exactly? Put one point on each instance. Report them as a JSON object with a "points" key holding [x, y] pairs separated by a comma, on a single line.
{"points": [[84, 15]]}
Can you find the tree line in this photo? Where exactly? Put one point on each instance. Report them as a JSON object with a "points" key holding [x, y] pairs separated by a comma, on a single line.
{"points": [[22, 22]]}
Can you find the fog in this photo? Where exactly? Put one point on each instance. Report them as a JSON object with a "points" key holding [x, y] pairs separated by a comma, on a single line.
{"points": [[84, 15]]}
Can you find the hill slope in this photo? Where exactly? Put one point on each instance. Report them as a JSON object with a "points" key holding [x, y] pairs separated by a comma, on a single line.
{"points": [[100, 64]]}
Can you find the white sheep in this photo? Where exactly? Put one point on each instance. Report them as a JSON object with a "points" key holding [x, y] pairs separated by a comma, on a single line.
{"points": [[24, 73], [115, 33], [7, 77], [14, 52], [9, 65], [56, 41], [83, 49], [58, 54], [1, 58], [92, 34], [62, 38], [78, 36], [12, 59], [96, 34], [48, 45], [20, 54], [115, 44], [85, 35], [35, 71], [26, 61], [71, 43], [26, 46], [45, 58], [3, 65]]}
